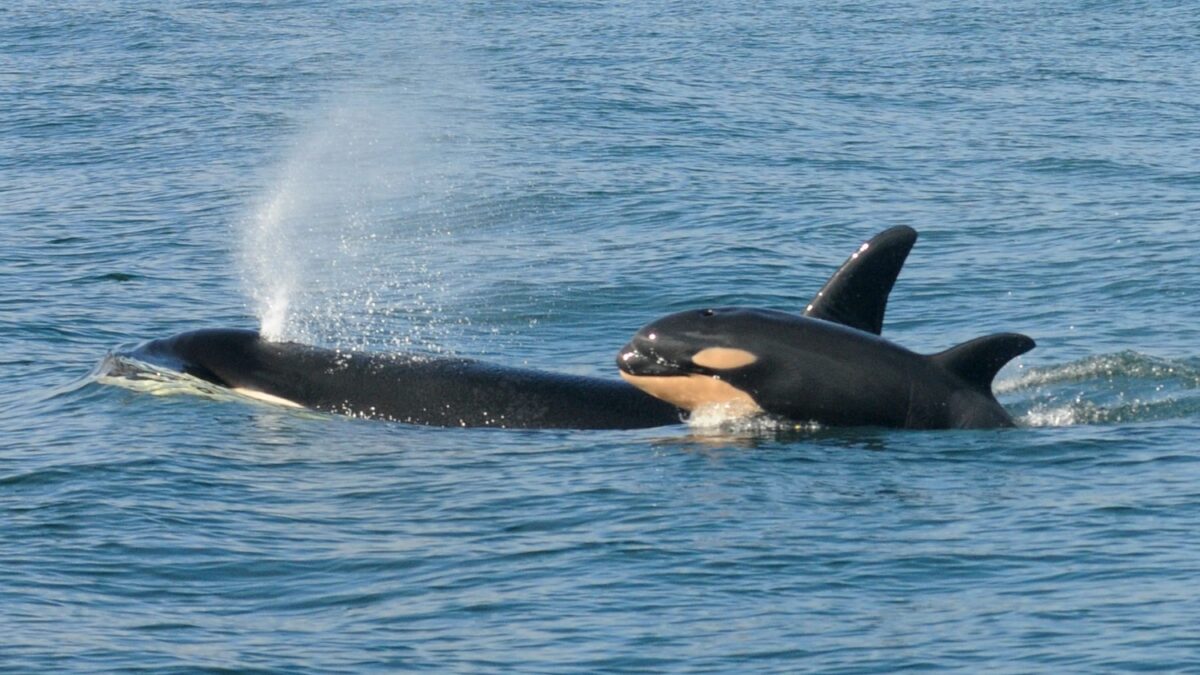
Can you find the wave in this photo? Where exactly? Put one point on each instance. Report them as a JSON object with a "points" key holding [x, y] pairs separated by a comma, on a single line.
{"points": [[724, 419], [1122, 387], [130, 373]]}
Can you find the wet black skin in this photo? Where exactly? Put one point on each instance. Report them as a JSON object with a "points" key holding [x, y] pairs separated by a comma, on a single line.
{"points": [[812, 370], [408, 388], [845, 364]]}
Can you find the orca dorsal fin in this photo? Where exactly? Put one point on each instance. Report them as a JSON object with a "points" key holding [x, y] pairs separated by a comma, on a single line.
{"points": [[976, 362], [857, 294]]}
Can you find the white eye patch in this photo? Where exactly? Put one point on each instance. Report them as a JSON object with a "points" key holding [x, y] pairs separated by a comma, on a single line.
{"points": [[723, 358]]}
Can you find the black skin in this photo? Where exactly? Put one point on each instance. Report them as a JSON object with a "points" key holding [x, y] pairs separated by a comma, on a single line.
{"points": [[462, 392], [407, 388], [811, 370]]}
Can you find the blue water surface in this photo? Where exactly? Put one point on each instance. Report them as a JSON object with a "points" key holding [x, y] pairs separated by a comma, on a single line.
{"points": [[529, 183]]}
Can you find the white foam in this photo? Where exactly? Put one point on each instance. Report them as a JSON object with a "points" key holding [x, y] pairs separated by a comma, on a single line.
{"points": [[147, 378], [732, 418], [1062, 416]]}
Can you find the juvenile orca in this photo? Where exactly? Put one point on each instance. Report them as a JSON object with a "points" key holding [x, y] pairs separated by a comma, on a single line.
{"points": [[829, 366], [444, 391]]}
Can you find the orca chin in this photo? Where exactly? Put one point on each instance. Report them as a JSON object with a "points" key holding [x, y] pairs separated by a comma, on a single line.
{"points": [[692, 392]]}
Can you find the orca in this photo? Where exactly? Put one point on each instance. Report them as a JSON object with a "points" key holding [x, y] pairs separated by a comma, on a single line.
{"points": [[829, 366], [410, 388], [441, 391]]}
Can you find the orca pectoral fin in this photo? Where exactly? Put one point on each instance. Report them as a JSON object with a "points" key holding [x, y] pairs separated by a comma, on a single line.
{"points": [[857, 294], [977, 362]]}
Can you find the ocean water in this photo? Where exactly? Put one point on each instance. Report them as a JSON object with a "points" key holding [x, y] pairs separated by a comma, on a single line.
{"points": [[529, 183]]}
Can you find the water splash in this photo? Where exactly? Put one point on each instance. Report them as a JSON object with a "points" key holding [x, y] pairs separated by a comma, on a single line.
{"points": [[128, 372], [726, 419], [1106, 389], [1108, 367], [125, 371]]}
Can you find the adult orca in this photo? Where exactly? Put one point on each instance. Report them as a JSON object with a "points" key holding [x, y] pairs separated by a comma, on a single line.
{"points": [[829, 366], [442, 391], [409, 388]]}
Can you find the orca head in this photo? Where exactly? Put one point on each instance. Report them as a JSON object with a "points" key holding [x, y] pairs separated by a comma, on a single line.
{"points": [[700, 358], [216, 355], [237, 359]]}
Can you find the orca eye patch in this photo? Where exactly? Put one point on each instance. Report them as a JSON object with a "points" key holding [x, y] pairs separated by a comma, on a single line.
{"points": [[707, 312], [723, 358]]}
